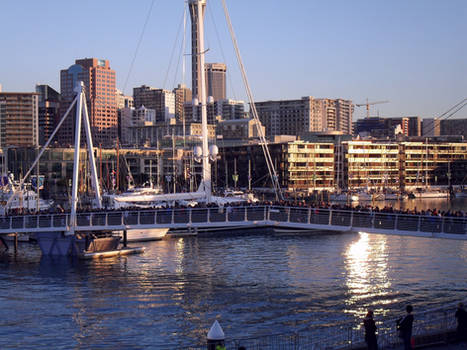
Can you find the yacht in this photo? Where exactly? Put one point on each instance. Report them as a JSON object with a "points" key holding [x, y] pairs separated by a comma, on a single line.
{"points": [[430, 193]]}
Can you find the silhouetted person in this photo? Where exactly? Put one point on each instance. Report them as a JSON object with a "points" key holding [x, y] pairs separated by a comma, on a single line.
{"points": [[404, 325], [370, 331], [461, 316]]}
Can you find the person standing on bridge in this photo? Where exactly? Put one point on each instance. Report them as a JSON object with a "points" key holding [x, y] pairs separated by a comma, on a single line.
{"points": [[461, 316], [404, 325], [370, 331]]}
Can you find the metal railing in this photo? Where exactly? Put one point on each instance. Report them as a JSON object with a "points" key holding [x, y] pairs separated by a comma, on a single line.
{"points": [[278, 216], [349, 335]]}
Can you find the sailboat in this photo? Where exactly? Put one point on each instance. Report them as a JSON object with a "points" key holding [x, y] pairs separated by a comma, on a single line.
{"points": [[428, 191]]}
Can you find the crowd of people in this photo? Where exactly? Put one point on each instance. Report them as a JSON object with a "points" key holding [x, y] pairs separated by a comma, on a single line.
{"points": [[58, 209]]}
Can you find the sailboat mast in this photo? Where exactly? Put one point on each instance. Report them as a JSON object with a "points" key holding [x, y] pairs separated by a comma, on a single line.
{"points": [[198, 8]]}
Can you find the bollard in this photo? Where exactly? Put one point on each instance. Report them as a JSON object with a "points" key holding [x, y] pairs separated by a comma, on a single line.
{"points": [[216, 337]]}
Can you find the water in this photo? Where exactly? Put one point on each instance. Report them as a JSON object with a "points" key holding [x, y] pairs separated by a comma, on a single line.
{"points": [[254, 285]]}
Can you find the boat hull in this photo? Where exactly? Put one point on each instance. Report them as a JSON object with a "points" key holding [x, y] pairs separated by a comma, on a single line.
{"points": [[144, 235]]}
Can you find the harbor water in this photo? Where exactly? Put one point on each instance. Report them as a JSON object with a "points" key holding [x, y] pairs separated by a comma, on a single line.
{"points": [[254, 285]]}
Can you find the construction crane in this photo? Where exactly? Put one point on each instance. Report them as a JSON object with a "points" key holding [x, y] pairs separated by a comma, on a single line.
{"points": [[368, 104]]}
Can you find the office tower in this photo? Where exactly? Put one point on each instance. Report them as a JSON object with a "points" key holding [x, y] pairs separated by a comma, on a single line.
{"points": [[19, 119], [215, 80], [196, 69], [182, 96], [99, 86], [49, 111], [162, 101]]}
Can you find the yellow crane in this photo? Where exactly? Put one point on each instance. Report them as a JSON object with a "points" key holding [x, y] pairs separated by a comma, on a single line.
{"points": [[368, 104]]}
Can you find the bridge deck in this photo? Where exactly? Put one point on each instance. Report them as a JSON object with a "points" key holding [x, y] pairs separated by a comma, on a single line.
{"points": [[299, 218]]}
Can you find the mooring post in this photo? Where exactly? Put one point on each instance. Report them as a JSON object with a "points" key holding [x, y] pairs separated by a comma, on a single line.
{"points": [[125, 240], [216, 337], [16, 242]]}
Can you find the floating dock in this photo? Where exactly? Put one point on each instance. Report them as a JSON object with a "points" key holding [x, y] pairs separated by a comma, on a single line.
{"points": [[111, 253]]}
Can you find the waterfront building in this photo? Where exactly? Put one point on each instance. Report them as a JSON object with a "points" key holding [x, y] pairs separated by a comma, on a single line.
{"points": [[371, 165], [49, 111], [182, 96], [238, 159], [160, 100], [245, 128], [432, 164], [99, 86], [215, 80], [19, 119], [382, 128], [310, 166]]}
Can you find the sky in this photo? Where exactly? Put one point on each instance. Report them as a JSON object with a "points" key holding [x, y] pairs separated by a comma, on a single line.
{"points": [[412, 53]]}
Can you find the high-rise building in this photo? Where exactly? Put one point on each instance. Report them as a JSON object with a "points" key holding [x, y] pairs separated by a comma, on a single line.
{"points": [[196, 7], [99, 86], [338, 115], [19, 119], [49, 111], [215, 80], [182, 96], [162, 101], [293, 117]]}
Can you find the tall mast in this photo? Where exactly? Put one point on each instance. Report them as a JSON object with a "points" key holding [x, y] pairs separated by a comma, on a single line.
{"points": [[197, 9]]}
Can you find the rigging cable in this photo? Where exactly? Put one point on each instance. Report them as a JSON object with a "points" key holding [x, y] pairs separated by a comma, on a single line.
{"points": [[173, 50], [138, 45], [263, 141], [229, 76], [457, 107]]}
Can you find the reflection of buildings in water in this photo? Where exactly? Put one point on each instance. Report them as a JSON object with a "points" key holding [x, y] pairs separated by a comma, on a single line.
{"points": [[366, 263]]}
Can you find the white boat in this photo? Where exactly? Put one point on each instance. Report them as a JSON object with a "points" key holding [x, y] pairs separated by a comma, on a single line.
{"points": [[364, 196], [143, 235], [343, 197], [430, 193]]}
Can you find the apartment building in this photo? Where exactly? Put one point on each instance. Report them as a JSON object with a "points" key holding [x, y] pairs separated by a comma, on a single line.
{"points": [[19, 119]]}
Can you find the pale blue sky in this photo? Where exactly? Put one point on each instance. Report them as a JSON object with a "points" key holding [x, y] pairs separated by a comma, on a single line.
{"points": [[411, 52]]}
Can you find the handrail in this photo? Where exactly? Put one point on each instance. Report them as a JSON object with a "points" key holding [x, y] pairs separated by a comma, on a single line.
{"points": [[267, 215]]}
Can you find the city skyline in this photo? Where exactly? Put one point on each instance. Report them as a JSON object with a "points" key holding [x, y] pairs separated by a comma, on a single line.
{"points": [[411, 54]]}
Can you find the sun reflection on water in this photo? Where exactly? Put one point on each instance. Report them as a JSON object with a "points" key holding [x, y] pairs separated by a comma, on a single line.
{"points": [[366, 264]]}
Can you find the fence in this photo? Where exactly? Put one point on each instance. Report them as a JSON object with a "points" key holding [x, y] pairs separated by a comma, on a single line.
{"points": [[345, 336]]}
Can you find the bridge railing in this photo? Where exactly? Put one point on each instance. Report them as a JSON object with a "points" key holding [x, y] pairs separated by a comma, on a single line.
{"points": [[293, 216]]}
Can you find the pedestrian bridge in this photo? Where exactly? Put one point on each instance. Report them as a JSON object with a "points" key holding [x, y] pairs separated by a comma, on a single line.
{"points": [[280, 217]]}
